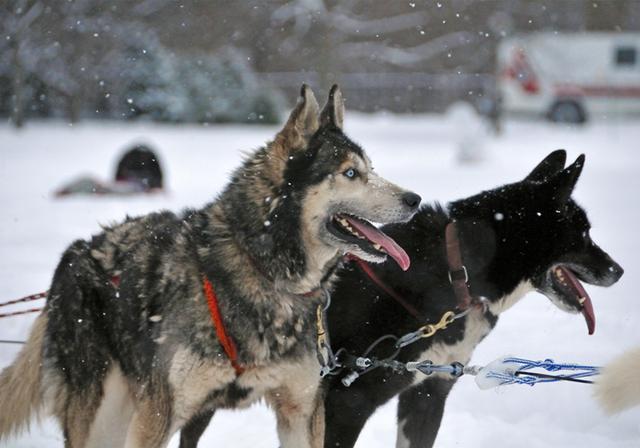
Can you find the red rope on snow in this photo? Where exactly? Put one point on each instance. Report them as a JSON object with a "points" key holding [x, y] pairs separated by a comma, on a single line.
{"points": [[38, 296], [16, 313]]}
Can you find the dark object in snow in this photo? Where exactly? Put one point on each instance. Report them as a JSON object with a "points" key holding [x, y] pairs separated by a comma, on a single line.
{"points": [[138, 171], [140, 165], [83, 185]]}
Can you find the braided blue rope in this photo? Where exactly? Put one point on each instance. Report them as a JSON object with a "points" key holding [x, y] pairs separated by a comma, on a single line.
{"points": [[548, 365]]}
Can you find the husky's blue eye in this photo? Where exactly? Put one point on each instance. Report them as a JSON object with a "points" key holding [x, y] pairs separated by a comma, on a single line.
{"points": [[351, 173]]}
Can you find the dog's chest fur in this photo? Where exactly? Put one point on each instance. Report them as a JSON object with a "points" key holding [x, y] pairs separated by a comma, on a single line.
{"points": [[199, 385]]}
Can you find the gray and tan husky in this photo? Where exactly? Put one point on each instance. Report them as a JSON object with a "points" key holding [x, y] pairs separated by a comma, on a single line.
{"points": [[125, 351]]}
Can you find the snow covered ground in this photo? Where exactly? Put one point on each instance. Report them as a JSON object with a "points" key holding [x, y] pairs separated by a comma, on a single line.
{"points": [[418, 152]]}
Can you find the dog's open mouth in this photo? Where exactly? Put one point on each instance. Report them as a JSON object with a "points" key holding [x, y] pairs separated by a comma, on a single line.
{"points": [[368, 238], [574, 294]]}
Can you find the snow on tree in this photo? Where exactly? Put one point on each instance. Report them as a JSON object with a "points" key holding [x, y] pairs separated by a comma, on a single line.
{"points": [[197, 88], [82, 59]]}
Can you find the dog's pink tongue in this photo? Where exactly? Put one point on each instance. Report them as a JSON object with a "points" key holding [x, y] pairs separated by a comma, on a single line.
{"points": [[581, 294], [378, 237]]}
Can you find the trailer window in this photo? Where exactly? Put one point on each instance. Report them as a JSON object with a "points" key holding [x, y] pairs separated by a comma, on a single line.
{"points": [[626, 56]]}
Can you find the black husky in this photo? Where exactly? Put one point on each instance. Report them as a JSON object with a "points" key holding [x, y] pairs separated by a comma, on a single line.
{"points": [[525, 236]]}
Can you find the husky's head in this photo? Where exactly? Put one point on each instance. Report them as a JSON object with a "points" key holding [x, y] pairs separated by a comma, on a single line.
{"points": [[540, 234], [314, 195]]}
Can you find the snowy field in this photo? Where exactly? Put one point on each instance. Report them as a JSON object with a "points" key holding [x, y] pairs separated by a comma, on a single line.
{"points": [[418, 152]]}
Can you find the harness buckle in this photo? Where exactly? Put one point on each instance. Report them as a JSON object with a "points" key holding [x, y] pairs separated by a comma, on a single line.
{"points": [[458, 273]]}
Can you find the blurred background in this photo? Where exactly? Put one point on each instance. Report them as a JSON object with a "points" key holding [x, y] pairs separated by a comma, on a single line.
{"points": [[212, 61]]}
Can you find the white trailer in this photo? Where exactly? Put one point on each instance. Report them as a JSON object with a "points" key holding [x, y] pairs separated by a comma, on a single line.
{"points": [[570, 77]]}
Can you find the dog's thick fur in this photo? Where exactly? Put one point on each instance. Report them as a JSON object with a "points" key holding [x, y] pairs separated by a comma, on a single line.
{"points": [[125, 351], [617, 388], [511, 238]]}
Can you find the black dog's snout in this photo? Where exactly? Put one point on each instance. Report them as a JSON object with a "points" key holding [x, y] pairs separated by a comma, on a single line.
{"points": [[616, 271], [612, 272], [411, 199]]}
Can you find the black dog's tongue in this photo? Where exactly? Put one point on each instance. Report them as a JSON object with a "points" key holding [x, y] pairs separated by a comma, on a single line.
{"points": [[376, 236], [571, 281]]}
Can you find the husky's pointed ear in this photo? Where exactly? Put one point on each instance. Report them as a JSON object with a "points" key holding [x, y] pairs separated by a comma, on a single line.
{"points": [[561, 185], [549, 166], [302, 122], [333, 112], [294, 136]]}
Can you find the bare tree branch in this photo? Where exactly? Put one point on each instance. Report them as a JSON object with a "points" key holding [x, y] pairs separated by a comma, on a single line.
{"points": [[407, 56], [392, 24]]}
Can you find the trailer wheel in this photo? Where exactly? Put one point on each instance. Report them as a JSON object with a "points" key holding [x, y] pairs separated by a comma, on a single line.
{"points": [[567, 111]]}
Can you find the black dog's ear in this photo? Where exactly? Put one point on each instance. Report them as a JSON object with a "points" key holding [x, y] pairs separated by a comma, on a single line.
{"points": [[333, 112], [549, 166], [561, 185]]}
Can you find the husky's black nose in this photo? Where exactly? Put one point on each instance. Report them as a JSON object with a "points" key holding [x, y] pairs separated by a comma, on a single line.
{"points": [[411, 199]]}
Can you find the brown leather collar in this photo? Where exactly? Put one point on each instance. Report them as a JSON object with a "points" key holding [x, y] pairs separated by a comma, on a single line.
{"points": [[458, 275]]}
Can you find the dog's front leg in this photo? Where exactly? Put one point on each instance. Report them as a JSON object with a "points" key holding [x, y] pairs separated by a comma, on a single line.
{"points": [[193, 429], [420, 410], [348, 409], [300, 414]]}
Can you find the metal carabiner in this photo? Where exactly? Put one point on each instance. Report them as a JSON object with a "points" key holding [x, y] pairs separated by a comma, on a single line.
{"points": [[431, 329]]}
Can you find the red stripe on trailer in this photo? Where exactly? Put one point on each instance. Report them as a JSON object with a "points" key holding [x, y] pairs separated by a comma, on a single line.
{"points": [[597, 91]]}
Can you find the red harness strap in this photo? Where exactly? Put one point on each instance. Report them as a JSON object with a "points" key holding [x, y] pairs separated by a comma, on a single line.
{"points": [[227, 343]]}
